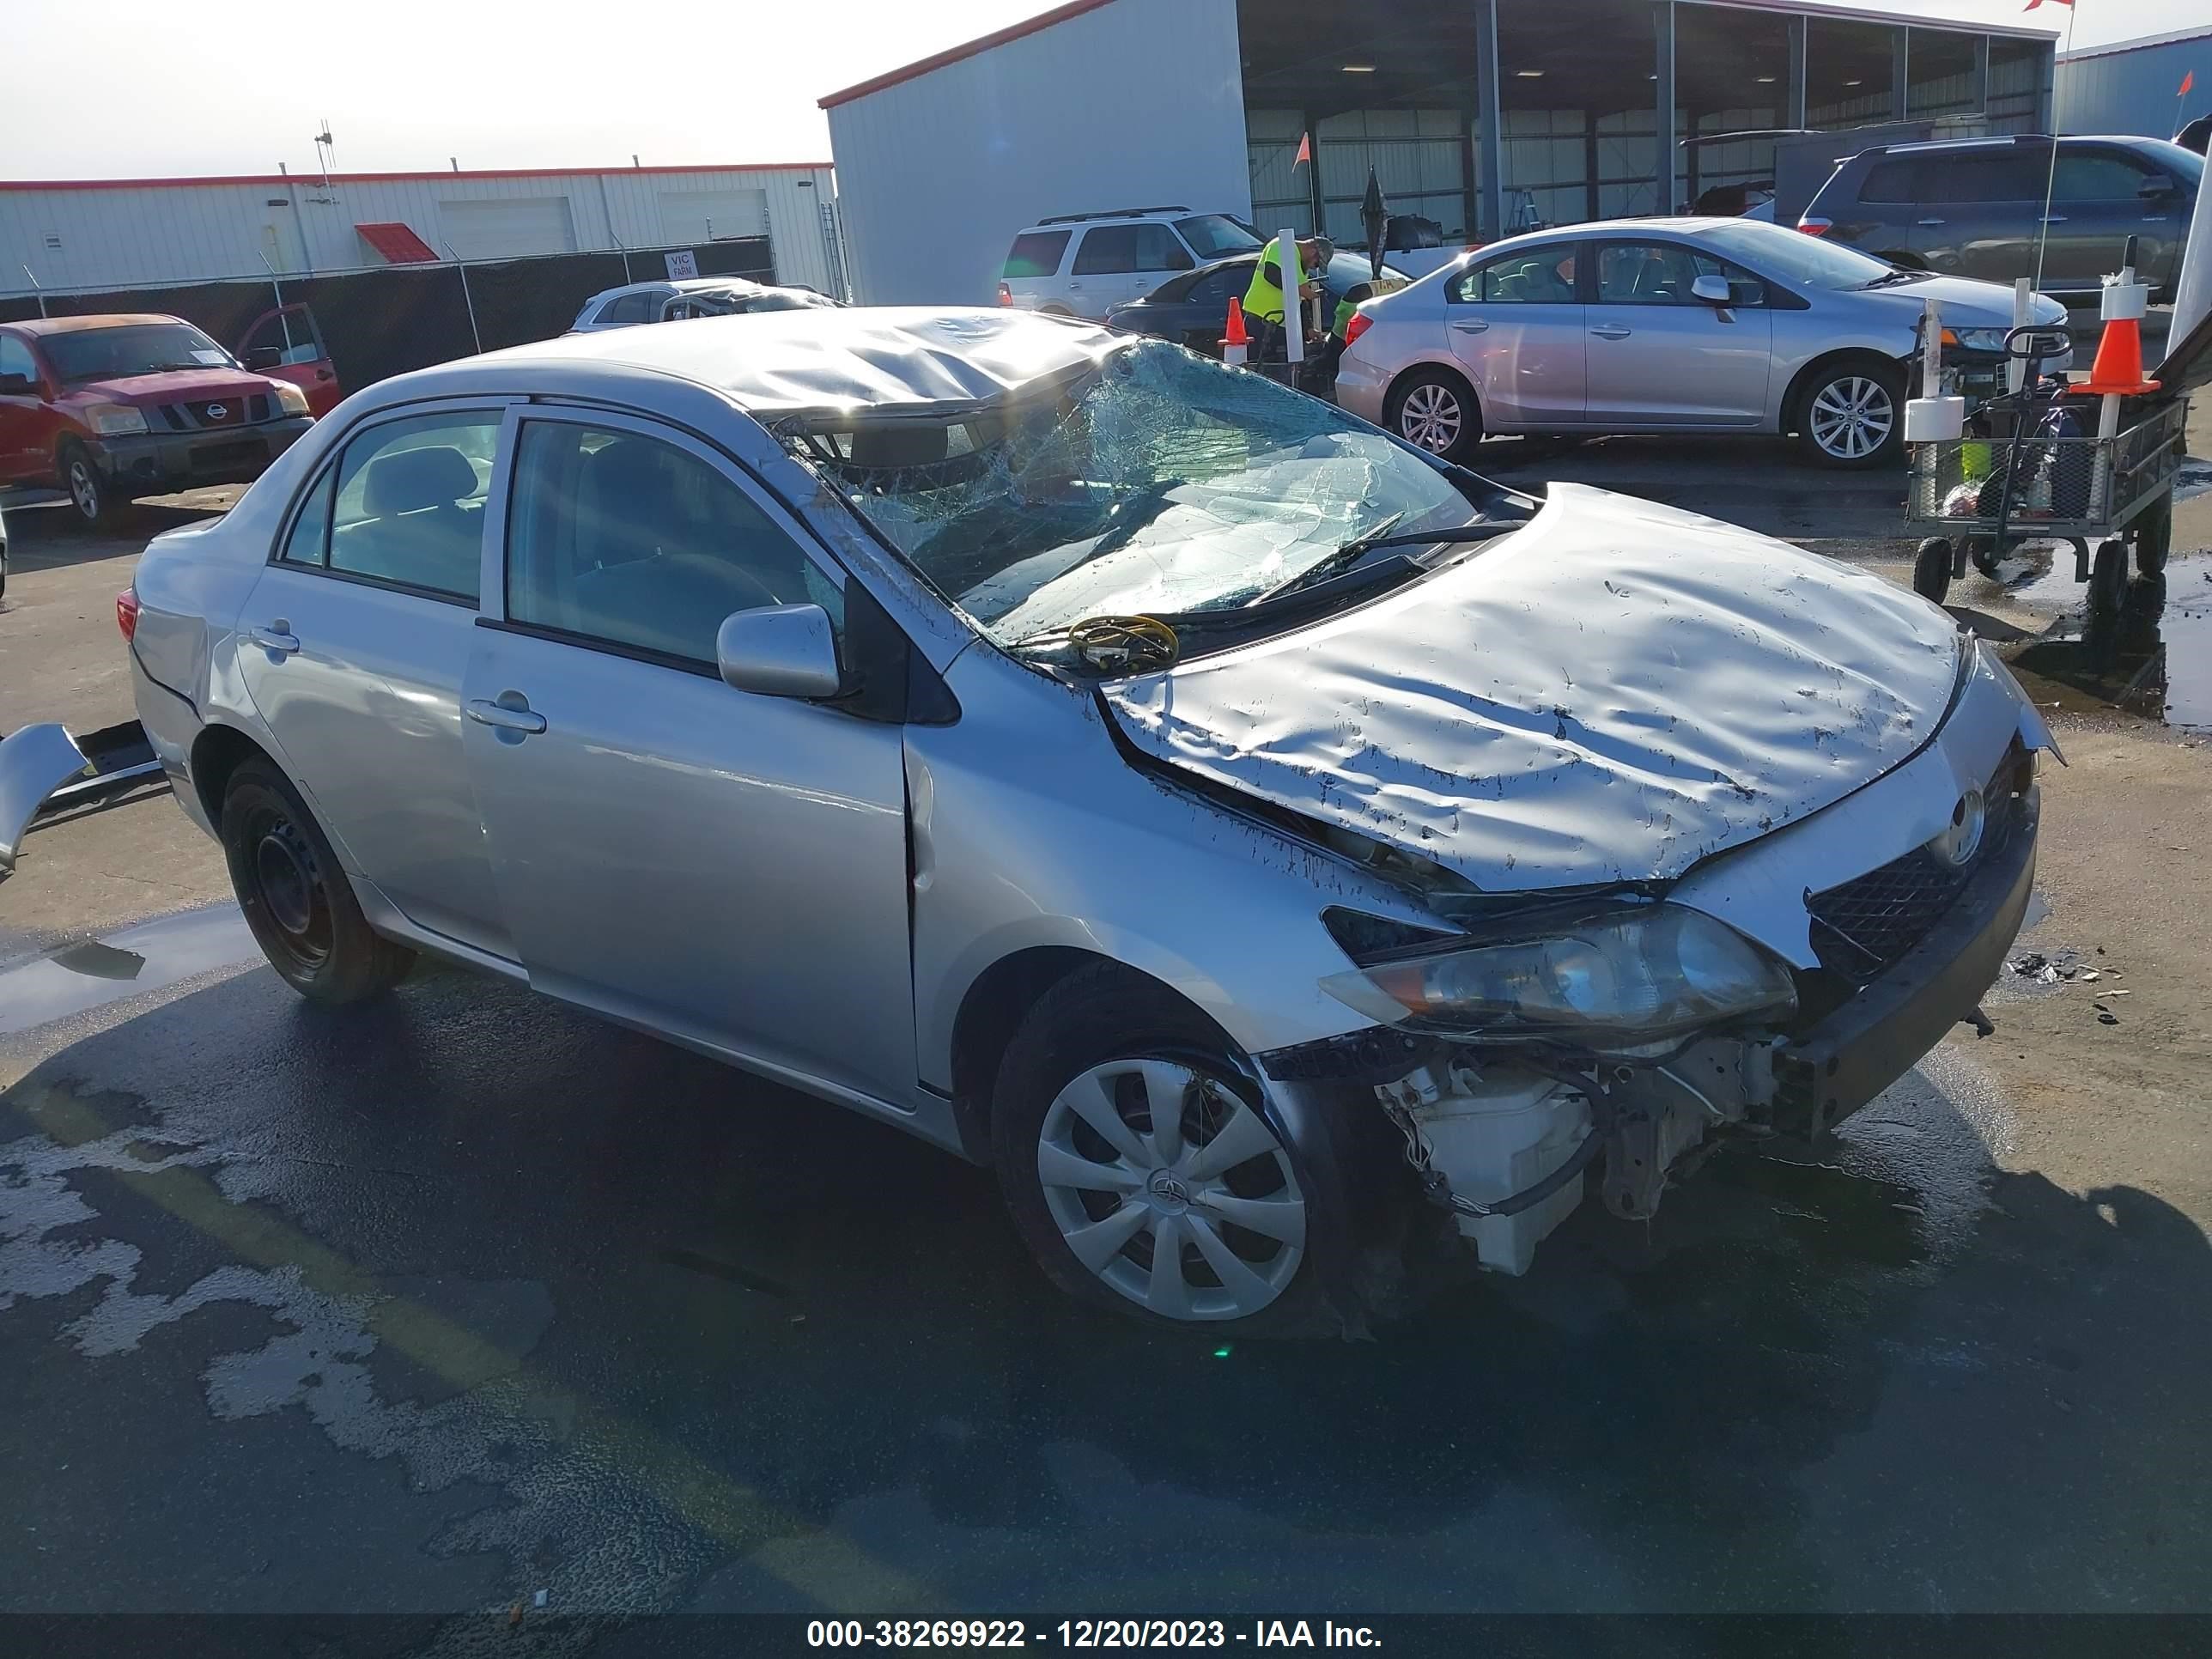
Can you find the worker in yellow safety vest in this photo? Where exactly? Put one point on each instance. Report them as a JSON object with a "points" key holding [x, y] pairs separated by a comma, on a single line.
{"points": [[1263, 297]]}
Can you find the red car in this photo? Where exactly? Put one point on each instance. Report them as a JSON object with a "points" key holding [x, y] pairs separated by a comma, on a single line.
{"points": [[107, 408]]}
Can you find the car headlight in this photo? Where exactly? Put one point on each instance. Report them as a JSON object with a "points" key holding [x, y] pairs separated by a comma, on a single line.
{"points": [[1610, 980], [289, 397], [114, 420], [1982, 339]]}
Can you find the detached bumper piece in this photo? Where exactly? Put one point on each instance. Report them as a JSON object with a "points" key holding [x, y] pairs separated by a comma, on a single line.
{"points": [[44, 770], [1875, 1038]]}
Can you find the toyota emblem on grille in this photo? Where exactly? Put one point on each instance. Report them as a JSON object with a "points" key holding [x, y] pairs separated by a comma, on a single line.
{"points": [[1957, 843], [218, 411]]}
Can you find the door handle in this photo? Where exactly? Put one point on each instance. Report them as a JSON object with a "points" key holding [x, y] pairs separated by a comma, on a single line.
{"points": [[1611, 332], [1476, 327], [1927, 222], [277, 638], [2054, 218], [526, 721]]}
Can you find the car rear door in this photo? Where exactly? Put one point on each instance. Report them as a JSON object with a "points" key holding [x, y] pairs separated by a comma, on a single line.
{"points": [[1981, 212], [1518, 327], [353, 644], [1659, 355], [1104, 273], [727, 867], [286, 344]]}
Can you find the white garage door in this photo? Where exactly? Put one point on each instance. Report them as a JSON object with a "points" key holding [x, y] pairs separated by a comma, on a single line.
{"points": [[505, 229], [712, 215]]}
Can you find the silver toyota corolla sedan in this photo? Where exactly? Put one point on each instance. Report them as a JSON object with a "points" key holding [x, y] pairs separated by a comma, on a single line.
{"points": [[1722, 325], [1286, 858]]}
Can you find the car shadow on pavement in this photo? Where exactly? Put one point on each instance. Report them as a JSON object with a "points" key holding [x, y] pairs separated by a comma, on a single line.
{"points": [[55, 539], [662, 1336]]}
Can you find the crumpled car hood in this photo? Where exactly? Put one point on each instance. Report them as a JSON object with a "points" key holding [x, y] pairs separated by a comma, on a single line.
{"points": [[1613, 693]]}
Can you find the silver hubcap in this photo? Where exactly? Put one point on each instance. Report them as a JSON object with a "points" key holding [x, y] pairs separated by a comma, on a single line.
{"points": [[1172, 1190], [1430, 417], [1852, 418], [84, 489]]}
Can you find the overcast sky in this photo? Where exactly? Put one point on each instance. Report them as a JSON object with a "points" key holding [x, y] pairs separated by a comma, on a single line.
{"points": [[163, 90]]}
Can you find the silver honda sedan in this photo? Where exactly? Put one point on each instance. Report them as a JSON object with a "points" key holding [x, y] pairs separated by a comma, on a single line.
{"points": [[1285, 858], [1684, 326]]}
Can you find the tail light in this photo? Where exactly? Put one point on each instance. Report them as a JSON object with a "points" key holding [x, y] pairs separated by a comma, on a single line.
{"points": [[1813, 227], [1006, 294], [1360, 322], [126, 613]]}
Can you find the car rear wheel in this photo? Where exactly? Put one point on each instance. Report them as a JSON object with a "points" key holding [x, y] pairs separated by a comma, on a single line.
{"points": [[1140, 1167], [90, 497], [295, 896], [1850, 414], [1433, 409]]}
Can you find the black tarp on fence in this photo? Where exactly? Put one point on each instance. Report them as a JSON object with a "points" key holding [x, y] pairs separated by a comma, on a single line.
{"points": [[385, 321]]}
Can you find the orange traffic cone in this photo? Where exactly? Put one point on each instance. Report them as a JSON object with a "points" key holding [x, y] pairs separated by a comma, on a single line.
{"points": [[2118, 370], [1234, 340]]}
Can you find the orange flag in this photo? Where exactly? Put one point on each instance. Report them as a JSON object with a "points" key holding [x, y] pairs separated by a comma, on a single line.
{"points": [[1305, 141]]}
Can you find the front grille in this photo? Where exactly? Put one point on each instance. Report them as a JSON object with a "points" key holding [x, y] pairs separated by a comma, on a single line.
{"points": [[198, 415], [1863, 927]]}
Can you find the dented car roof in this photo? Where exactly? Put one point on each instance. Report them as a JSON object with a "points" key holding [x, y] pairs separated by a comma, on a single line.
{"points": [[823, 360]]}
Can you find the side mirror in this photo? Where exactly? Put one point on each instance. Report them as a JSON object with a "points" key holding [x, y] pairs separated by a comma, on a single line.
{"points": [[17, 385], [2156, 189], [779, 651], [261, 357], [1713, 290]]}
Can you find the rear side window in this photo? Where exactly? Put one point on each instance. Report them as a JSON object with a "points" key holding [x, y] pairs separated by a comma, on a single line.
{"points": [[2096, 178], [624, 539], [1889, 181], [411, 503], [1036, 253], [1106, 251], [1544, 277], [2014, 177], [310, 540]]}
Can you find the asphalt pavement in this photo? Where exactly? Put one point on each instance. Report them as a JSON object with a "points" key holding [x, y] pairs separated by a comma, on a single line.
{"points": [[422, 1310]]}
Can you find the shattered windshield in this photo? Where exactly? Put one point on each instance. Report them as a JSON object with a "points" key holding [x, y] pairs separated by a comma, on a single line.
{"points": [[1157, 483]]}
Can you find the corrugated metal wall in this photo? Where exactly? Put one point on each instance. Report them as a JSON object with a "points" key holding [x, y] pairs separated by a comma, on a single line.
{"points": [[1138, 103], [138, 236], [2133, 91]]}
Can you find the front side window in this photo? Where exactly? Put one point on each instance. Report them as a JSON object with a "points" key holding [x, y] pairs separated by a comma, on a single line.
{"points": [[2095, 178], [109, 353], [1155, 480], [1539, 277], [1108, 250], [411, 503], [290, 333], [1215, 235], [1036, 253], [1158, 250], [15, 359], [1662, 273], [625, 540]]}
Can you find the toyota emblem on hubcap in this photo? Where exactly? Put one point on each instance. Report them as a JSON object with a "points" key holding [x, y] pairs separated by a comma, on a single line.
{"points": [[1957, 843]]}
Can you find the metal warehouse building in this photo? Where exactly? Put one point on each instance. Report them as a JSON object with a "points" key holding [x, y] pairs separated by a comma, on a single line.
{"points": [[157, 233], [1481, 115], [2135, 86]]}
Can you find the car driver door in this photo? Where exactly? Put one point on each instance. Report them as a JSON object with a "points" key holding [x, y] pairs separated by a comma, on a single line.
{"points": [[1516, 325], [723, 865]]}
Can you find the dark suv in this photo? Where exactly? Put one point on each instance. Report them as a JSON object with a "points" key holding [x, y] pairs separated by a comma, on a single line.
{"points": [[1974, 207]]}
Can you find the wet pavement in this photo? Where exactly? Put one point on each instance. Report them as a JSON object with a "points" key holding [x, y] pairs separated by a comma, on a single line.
{"points": [[421, 1308]]}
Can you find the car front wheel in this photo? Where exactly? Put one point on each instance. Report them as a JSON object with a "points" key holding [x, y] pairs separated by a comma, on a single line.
{"points": [[88, 492], [1851, 415], [1139, 1166], [296, 897]]}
